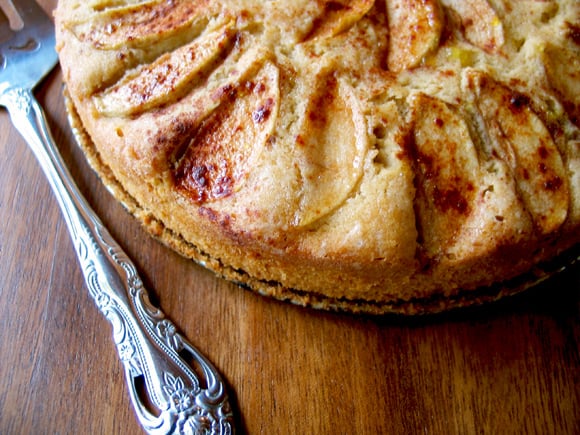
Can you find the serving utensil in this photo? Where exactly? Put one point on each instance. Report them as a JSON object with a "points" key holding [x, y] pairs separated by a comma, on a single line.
{"points": [[173, 387]]}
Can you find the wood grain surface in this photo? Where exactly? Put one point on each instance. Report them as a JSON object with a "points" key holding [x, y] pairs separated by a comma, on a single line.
{"points": [[511, 367]]}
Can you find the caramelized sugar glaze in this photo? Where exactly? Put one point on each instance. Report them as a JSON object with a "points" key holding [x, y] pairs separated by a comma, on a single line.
{"points": [[367, 154]]}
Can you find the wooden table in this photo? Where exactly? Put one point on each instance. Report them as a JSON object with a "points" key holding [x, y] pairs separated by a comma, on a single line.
{"points": [[509, 367]]}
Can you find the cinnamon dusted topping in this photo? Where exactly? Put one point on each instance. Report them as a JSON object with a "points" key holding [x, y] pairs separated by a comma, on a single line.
{"points": [[573, 32], [368, 150]]}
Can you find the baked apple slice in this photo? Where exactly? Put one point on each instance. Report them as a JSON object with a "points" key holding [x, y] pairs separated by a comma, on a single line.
{"points": [[338, 16], [519, 137], [330, 148], [141, 25], [414, 31], [480, 23], [447, 171], [167, 78], [219, 151]]}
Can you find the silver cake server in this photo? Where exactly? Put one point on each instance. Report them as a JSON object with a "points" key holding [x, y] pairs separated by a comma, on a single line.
{"points": [[168, 395]]}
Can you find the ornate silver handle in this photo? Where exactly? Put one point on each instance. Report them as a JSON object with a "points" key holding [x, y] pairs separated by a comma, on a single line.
{"points": [[154, 354]]}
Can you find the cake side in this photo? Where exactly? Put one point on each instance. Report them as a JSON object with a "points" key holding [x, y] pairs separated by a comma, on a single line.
{"points": [[428, 304]]}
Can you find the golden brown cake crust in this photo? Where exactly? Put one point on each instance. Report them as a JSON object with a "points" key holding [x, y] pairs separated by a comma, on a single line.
{"points": [[371, 156]]}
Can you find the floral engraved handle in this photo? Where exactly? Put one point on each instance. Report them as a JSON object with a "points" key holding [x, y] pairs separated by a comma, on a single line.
{"points": [[151, 348], [173, 387]]}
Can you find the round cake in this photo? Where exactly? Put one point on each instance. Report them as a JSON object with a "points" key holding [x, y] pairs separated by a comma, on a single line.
{"points": [[378, 156]]}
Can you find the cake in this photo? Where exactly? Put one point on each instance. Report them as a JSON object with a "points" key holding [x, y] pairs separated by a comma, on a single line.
{"points": [[372, 156]]}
